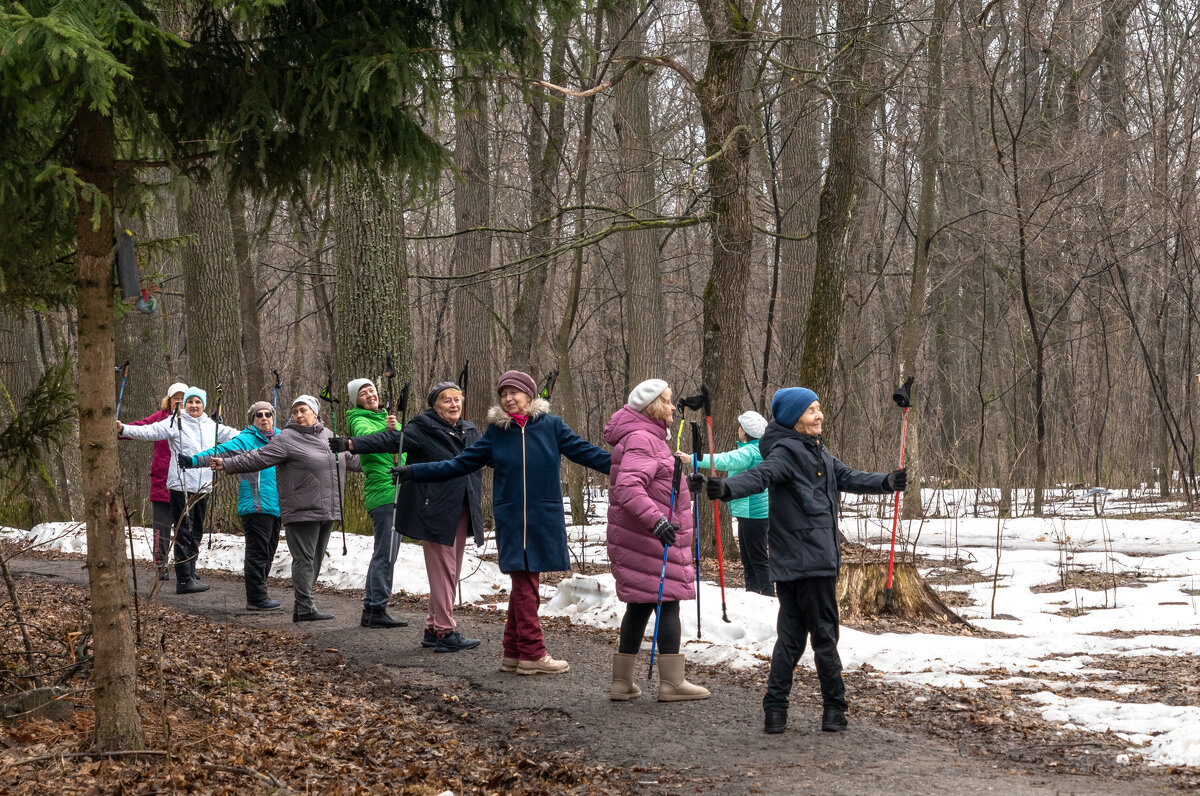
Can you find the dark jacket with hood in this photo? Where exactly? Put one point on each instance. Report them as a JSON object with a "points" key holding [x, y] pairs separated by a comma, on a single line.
{"points": [[430, 511], [531, 530], [803, 480]]}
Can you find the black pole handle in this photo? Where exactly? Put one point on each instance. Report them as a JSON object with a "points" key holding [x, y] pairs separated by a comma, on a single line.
{"points": [[903, 394]]}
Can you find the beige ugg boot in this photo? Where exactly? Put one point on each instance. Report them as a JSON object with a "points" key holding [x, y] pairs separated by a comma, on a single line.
{"points": [[623, 687], [672, 687]]}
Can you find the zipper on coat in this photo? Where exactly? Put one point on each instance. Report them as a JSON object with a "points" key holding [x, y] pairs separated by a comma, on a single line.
{"points": [[524, 502]]}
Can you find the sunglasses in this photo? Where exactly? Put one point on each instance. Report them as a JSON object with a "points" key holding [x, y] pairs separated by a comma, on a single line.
{"points": [[263, 414]]}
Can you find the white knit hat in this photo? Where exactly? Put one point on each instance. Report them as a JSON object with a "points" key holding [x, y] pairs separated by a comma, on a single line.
{"points": [[356, 385], [754, 424], [312, 403], [176, 387], [644, 394]]}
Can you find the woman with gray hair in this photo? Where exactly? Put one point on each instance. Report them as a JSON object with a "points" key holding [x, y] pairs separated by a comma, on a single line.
{"points": [[309, 480]]}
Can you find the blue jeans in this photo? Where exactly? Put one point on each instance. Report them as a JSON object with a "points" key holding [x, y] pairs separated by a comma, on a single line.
{"points": [[378, 589]]}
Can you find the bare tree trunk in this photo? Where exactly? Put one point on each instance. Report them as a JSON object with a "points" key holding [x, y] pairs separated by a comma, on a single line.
{"points": [[546, 137], [801, 111], [212, 310], [257, 384], [473, 247], [636, 158], [839, 195], [118, 724], [930, 158], [366, 251], [724, 111]]}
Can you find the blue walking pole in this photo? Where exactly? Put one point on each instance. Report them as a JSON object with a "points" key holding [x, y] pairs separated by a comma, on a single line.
{"points": [[662, 578], [123, 369], [697, 446], [277, 385]]}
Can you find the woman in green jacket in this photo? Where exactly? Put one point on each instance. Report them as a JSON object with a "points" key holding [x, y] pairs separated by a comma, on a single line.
{"points": [[751, 512], [369, 417]]}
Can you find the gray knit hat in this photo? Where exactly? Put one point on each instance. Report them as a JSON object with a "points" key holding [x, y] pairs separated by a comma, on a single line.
{"points": [[257, 406], [313, 404], [438, 389]]}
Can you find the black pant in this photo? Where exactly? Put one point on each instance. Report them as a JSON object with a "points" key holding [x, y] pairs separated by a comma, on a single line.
{"points": [[162, 531], [262, 540], [189, 532], [633, 627], [807, 607], [752, 539]]}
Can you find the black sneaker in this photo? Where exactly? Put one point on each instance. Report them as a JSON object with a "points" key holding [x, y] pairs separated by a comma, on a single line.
{"points": [[775, 721], [429, 639], [833, 720], [313, 616], [455, 642]]}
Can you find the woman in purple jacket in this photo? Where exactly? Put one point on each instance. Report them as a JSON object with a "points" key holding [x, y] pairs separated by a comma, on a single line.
{"points": [[638, 528]]}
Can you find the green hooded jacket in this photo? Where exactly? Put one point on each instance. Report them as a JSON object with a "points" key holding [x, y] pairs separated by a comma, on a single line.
{"points": [[378, 489]]}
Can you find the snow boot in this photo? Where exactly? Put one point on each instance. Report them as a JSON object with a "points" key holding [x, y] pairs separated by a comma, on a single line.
{"points": [[185, 580], [775, 720], [623, 688], [833, 719], [672, 687]]}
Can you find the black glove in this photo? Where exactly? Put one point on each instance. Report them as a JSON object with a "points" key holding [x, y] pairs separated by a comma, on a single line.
{"points": [[896, 480], [695, 483], [338, 444], [665, 530], [717, 489], [184, 462], [401, 473]]}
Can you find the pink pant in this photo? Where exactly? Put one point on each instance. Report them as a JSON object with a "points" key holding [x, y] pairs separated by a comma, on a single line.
{"points": [[443, 565], [523, 632]]}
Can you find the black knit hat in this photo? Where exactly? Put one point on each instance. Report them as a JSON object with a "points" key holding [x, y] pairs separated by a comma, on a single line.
{"points": [[439, 388]]}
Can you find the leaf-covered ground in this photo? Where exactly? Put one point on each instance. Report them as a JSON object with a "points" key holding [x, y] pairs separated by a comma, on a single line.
{"points": [[234, 709]]}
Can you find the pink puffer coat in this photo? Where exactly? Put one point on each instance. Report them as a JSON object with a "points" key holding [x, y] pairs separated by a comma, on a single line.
{"points": [[640, 493]]}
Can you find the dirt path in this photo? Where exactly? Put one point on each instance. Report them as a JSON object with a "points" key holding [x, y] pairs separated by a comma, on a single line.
{"points": [[713, 746]]}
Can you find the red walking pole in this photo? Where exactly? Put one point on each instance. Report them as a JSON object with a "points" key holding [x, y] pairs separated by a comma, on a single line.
{"points": [[712, 470], [903, 399]]}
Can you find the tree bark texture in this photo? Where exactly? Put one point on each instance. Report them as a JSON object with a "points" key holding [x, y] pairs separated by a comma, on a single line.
{"points": [[801, 110], [839, 196], [637, 159], [258, 385], [367, 245], [724, 111], [118, 724], [212, 308], [473, 314]]}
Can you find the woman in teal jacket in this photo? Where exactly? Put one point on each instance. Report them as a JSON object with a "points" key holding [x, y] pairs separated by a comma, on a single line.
{"points": [[258, 504], [751, 512]]}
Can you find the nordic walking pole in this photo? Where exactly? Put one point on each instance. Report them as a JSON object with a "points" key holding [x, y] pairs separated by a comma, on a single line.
{"points": [[278, 383], [123, 369], [712, 470], [186, 516], [212, 489], [327, 395], [402, 407], [662, 578], [697, 448], [903, 398]]}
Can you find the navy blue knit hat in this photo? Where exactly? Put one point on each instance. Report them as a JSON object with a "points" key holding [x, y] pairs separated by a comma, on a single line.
{"points": [[790, 402]]}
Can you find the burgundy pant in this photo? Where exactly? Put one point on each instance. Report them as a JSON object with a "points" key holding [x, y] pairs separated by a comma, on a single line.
{"points": [[523, 632]]}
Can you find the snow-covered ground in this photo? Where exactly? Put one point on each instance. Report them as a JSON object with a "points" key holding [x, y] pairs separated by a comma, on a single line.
{"points": [[1056, 636]]}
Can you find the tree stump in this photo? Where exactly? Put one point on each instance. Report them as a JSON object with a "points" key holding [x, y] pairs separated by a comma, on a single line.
{"points": [[862, 591]]}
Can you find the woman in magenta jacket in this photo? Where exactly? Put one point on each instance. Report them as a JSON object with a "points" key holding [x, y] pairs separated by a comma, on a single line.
{"points": [[638, 528]]}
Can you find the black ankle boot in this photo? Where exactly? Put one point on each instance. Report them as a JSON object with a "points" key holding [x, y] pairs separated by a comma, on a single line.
{"points": [[379, 617], [833, 720], [775, 721]]}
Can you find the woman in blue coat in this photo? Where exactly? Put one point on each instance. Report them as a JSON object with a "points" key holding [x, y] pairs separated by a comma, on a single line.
{"points": [[523, 444]]}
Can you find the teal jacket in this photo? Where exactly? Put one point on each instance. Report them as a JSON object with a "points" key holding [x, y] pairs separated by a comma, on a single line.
{"points": [[746, 457], [257, 493]]}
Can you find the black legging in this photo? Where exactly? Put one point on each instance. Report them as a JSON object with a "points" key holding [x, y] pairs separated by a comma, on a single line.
{"points": [[633, 627]]}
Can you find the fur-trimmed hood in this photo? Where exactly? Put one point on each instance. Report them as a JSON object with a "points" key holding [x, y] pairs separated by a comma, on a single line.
{"points": [[496, 416]]}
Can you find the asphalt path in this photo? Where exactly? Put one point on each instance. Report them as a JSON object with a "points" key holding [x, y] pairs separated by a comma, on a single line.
{"points": [[711, 746]]}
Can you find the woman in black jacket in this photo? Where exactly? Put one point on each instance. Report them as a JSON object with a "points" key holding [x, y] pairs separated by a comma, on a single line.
{"points": [[439, 515]]}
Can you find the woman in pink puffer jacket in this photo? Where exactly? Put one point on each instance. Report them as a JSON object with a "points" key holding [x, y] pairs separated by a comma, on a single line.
{"points": [[638, 528]]}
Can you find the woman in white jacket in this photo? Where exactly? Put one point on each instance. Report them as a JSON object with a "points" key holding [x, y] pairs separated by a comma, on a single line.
{"points": [[188, 433]]}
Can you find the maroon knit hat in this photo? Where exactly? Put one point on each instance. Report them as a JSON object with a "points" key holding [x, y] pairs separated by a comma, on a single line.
{"points": [[522, 381]]}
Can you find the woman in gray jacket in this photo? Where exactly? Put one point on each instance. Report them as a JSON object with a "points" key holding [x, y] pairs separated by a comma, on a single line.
{"points": [[308, 477]]}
